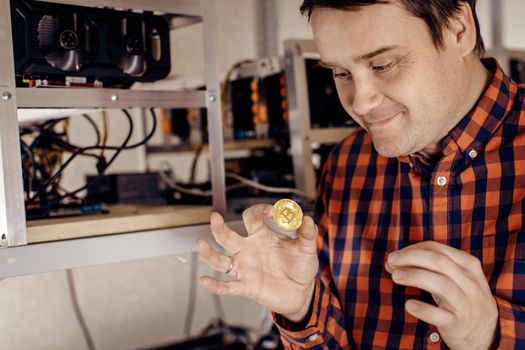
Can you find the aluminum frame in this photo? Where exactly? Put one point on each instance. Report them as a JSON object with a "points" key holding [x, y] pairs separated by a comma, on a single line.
{"points": [[35, 258], [54, 256], [12, 208], [215, 127], [302, 135], [107, 98]]}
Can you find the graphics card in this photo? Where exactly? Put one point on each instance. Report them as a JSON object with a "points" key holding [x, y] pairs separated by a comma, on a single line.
{"points": [[89, 46]]}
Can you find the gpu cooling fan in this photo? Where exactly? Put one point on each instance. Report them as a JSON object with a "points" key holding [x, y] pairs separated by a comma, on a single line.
{"points": [[131, 54], [67, 41]]}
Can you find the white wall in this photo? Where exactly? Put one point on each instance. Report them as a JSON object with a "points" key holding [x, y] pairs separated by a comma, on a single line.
{"points": [[236, 41], [514, 23], [128, 305], [291, 24]]}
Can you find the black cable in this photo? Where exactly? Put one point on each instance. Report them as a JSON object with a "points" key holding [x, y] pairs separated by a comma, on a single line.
{"points": [[190, 311], [118, 150], [102, 167], [194, 163], [31, 178], [79, 151], [50, 124], [78, 312], [68, 146], [148, 136], [28, 130], [127, 147]]}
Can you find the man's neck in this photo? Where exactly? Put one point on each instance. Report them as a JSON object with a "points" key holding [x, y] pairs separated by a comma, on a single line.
{"points": [[481, 78]]}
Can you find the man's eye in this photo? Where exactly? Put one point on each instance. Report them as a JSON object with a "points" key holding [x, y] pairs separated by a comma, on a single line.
{"points": [[384, 68], [342, 75]]}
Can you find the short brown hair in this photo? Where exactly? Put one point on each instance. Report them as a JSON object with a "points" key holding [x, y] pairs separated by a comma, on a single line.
{"points": [[435, 13]]}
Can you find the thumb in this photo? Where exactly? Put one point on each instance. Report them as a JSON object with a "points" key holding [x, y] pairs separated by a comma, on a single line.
{"points": [[307, 233]]}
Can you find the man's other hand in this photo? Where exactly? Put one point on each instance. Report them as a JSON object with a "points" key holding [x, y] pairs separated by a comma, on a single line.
{"points": [[466, 314]]}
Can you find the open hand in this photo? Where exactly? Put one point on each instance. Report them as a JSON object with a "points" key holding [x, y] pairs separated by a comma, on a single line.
{"points": [[278, 272]]}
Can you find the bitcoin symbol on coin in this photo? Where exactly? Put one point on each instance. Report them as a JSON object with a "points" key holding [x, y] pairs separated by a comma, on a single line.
{"points": [[287, 216]]}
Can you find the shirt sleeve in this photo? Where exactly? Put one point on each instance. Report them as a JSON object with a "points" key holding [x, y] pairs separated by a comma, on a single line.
{"points": [[325, 327], [511, 325]]}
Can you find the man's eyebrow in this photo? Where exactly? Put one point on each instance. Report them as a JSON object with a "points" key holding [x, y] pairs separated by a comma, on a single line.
{"points": [[375, 53], [364, 57]]}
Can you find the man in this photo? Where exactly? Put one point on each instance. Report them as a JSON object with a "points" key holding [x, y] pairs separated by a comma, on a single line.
{"points": [[421, 238]]}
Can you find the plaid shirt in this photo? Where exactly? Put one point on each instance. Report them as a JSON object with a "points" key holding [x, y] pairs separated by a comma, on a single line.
{"points": [[471, 199]]}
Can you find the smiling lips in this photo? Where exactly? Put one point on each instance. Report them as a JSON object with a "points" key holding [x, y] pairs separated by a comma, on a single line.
{"points": [[382, 122]]}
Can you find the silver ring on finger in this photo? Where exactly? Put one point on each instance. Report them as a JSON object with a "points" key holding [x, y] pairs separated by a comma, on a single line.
{"points": [[230, 268]]}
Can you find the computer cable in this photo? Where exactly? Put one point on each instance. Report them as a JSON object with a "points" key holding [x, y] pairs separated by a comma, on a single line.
{"points": [[77, 310]]}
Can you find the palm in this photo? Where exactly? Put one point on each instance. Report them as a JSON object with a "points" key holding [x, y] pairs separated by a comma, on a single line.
{"points": [[275, 271]]}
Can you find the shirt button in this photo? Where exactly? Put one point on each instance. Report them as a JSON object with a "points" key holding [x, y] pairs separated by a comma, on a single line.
{"points": [[314, 337], [473, 154], [441, 181], [434, 337]]}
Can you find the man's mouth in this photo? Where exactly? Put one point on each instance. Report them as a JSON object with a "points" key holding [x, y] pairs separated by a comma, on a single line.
{"points": [[384, 121]]}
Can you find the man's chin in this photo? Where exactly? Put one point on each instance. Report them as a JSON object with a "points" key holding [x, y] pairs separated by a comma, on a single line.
{"points": [[389, 148]]}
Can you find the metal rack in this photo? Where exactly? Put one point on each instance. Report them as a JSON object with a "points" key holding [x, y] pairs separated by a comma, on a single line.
{"points": [[302, 135], [21, 258]]}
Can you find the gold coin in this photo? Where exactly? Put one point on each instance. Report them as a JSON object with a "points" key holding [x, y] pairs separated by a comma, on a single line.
{"points": [[287, 215]]}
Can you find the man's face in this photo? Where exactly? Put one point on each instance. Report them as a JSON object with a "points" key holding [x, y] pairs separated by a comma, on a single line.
{"points": [[390, 77]]}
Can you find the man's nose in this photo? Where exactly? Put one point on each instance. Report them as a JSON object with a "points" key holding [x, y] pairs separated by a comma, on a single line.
{"points": [[366, 97]]}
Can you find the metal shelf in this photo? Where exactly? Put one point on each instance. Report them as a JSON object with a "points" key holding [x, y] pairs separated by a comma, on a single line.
{"points": [[24, 258], [107, 98], [120, 219], [47, 257], [235, 145]]}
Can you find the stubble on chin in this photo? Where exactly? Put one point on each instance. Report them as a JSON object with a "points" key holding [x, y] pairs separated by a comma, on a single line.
{"points": [[393, 147], [389, 151]]}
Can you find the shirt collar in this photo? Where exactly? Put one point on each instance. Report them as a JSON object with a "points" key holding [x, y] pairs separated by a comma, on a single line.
{"points": [[477, 127]]}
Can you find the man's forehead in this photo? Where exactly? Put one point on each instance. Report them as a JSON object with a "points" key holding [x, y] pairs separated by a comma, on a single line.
{"points": [[361, 36]]}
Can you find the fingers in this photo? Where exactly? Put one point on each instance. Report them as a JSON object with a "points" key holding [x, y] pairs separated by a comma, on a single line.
{"points": [[254, 216], [308, 231], [451, 296], [462, 259], [432, 261], [429, 313], [225, 236], [216, 261], [214, 286]]}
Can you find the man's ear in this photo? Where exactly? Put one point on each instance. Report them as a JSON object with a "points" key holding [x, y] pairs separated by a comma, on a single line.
{"points": [[462, 29]]}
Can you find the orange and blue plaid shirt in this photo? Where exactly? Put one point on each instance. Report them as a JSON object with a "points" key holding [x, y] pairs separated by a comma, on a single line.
{"points": [[472, 199]]}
